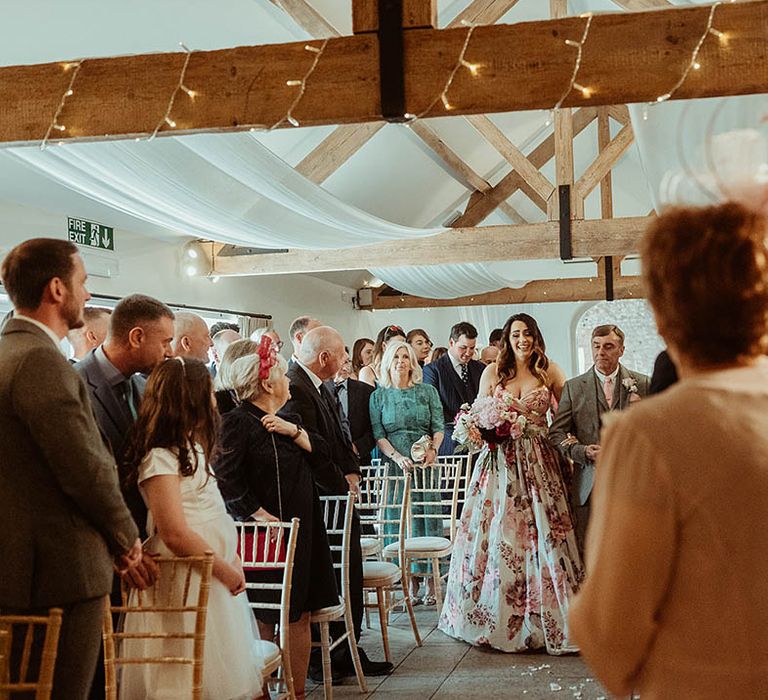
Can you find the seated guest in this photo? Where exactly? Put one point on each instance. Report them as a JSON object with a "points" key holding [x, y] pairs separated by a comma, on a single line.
{"points": [[169, 454], [403, 411], [370, 374], [488, 355], [421, 344], [226, 396], [221, 341], [191, 338], [91, 334], [673, 605], [265, 466], [362, 356]]}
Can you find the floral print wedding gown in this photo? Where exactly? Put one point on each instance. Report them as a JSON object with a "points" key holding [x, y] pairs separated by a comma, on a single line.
{"points": [[515, 563]]}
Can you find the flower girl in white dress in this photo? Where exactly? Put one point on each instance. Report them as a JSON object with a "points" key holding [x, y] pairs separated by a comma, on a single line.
{"points": [[171, 447]]}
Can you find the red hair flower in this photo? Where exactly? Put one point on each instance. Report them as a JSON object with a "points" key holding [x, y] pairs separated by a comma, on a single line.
{"points": [[267, 356]]}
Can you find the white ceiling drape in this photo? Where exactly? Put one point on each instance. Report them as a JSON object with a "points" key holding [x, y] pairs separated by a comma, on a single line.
{"points": [[232, 188]]}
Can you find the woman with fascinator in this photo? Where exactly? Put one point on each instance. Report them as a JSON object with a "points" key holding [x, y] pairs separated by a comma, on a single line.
{"points": [[515, 563], [264, 471]]}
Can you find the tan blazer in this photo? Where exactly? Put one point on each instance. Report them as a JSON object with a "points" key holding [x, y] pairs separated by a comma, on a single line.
{"points": [[676, 598], [61, 513]]}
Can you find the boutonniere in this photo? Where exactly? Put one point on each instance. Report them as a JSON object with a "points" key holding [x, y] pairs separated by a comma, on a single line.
{"points": [[630, 384]]}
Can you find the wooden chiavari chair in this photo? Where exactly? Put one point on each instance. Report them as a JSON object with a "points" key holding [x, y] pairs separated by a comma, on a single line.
{"points": [[276, 658], [384, 578], [181, 590], [337, 513], [425, 506], [454, 467], [26, 627], [369, 543]]}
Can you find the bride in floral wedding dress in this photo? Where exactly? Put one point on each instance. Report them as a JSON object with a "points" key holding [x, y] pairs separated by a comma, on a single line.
{"points": [[515, 563]]}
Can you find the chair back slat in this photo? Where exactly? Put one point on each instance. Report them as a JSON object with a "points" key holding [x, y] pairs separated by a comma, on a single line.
{"points": [[15, 671], [337, 515], [434, 487], [182, 588], [277, 538]]}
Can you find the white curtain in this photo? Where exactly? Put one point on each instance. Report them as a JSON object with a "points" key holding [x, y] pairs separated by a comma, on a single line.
{"points": [[231, 188]]}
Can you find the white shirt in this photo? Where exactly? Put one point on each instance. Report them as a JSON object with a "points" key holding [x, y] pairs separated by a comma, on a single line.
{"points": [[456, 365], [56, 340], [602, 377], [312, 376]]}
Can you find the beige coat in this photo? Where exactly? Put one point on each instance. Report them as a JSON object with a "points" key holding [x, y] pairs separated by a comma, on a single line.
{"points": [[676, 599], [62, 516]]}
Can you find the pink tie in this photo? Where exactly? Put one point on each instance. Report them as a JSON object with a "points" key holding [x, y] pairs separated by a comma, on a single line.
{"points": [[608, 390]]}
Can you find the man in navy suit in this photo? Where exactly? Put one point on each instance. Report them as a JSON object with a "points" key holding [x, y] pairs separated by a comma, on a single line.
{"points": [[456, 376]]}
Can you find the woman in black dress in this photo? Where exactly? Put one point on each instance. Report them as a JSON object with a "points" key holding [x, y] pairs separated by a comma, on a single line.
{"points": [[247, 475]]}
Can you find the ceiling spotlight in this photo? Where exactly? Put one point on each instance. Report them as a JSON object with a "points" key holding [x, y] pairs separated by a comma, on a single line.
{"points": [[190, 270]]}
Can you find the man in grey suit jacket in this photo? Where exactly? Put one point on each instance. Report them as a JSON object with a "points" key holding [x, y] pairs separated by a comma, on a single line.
{"points": [[575, 430], [139, 338], [63, 521]]}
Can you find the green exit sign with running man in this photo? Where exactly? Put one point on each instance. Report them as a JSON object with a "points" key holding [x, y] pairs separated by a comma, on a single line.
{"points": [[89, 233]]}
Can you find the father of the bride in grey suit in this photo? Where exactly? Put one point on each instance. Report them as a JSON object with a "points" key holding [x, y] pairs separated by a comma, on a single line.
{"points": [[63, 521], [575, 431]]}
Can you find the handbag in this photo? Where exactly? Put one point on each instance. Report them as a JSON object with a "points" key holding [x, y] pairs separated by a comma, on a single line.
{"points": [[266, 552], [420, 447]]}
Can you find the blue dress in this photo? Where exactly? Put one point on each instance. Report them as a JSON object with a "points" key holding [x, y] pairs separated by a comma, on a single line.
{"points": [[402, 416]]}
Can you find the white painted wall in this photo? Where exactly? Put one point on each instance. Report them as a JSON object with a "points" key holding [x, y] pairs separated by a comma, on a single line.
{"points": [[151, 266]]}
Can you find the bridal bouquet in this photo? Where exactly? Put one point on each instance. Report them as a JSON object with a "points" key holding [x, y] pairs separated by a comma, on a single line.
{"points": [[491, 419]]}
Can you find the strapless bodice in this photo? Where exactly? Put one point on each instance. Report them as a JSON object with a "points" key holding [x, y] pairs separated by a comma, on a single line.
{"points": [[533, 404]]}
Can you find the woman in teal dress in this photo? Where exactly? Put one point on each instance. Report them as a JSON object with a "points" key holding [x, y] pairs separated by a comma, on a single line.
{"points": [[403, 410]]}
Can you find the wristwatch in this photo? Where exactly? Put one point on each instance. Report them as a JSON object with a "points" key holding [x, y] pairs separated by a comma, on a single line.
{"points": [[297, 434]]}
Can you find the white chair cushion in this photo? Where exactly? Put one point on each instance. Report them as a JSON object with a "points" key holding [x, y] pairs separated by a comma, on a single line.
{"points": [[369, 545], [269, 651], [419, 544], [332, 612], [380, 570]]}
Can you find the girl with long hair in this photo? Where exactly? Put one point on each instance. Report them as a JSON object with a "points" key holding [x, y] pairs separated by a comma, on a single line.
{"points": [[421, 344], [370, 374], [170, 449], [515, 563]]}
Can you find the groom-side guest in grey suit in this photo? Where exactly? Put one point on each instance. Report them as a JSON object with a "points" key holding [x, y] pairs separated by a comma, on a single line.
{"points": [[63, 521], [575, 431], [139, 338]]}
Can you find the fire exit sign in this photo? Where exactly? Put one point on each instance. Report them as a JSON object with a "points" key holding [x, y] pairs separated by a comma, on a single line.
{"points": [[91, 234]]}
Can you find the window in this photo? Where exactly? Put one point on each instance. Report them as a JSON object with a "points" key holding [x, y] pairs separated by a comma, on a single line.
{"points": [[634, 316]]}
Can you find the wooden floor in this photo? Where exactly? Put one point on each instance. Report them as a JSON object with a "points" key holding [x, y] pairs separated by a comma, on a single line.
{"points": [[445, 668]]}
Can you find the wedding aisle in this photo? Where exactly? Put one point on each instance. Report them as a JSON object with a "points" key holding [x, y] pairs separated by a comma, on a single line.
{"points": [[445, 669]]}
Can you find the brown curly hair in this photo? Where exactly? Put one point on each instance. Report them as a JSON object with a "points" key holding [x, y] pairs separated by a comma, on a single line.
{"points": [[538, 362], [705, 271], [176, 412]]}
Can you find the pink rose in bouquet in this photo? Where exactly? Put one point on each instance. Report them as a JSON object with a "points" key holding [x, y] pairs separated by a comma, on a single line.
{"points": [[490, 419]]}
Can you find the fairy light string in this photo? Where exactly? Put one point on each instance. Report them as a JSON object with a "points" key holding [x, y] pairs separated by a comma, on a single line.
{"points": [[301, 84], [75, 67], [166, 118]]}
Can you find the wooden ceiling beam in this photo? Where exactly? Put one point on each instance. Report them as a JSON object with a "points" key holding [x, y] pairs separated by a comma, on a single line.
{"points": [[308, 18], [643, 5], [482, 12], [335, 150], [628, 57], [481, 204], [538, 291], [616, 237], [609, 156]]}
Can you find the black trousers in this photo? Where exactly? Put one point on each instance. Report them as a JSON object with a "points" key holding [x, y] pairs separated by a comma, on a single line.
{"points": [[78, 650]]}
